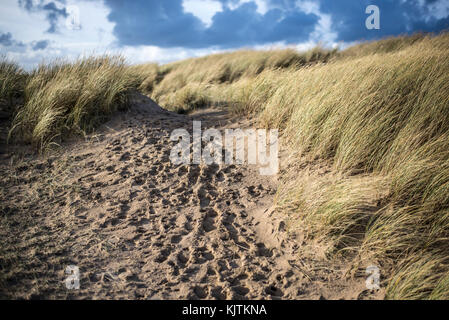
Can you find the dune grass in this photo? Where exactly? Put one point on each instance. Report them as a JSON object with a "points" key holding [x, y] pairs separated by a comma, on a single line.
{"points": [[12, 79], [64, 98], [386, 45], [380, 123], [197, 82]]}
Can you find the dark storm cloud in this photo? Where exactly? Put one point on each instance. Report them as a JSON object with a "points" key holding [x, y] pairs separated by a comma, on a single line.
{"points": [[53, 13], [245, 26], [165, 24], [397, 17], [161, 23]]}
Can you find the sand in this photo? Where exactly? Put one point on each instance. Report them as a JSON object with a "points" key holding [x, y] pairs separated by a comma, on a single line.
{"points": [[139, 227]]}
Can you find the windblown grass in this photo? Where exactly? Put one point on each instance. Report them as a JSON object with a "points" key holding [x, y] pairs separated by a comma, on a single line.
{"points": [[12, 79], [176, 85], [148, 76], [384, 46], [63, 98], [380, 121]]}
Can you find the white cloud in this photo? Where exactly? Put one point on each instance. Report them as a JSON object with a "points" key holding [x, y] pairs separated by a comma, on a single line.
{"points": [[20, 23], [202, 9], [95, 35], [323, 31], [439, 9], [145, 54]]}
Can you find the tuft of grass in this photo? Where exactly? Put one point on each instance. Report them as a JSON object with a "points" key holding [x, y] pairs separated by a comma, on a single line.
{"points": [[188, 98], [12, 81], [63, 98], [148, 76]]}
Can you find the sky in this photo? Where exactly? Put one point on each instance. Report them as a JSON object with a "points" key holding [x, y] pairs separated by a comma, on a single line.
{"points": [[37, 31]]}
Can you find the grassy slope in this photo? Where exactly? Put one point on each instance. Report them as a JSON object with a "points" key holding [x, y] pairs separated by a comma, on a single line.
{"points": [[381, 121], [12, 79], [376, 115]]}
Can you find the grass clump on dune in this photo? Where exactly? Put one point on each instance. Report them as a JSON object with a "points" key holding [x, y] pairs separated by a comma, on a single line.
{"points": [[12, 80], [64, 98], [188, 98], [148, 76]]}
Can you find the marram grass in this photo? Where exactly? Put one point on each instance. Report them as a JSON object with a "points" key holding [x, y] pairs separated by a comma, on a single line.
{"points": [[62, 98], [194, 83], [381, 122], [12, 79]]}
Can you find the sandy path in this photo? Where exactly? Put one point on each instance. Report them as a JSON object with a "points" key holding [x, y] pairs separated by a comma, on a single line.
{"points": [[138, 226]]}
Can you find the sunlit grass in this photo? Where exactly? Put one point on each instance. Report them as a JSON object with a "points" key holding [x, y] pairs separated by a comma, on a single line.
{"points": [[197, 82], [381, 123], [12, 80], [63, 98]]}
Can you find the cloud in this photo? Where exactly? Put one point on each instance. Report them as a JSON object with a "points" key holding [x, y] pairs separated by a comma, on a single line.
{"points": [[160, 23], [40, 45], [6, 39], [168, 30], [166, 24], [236, 23], [244, 26], [53, 14], [145, 54], [30, 27], [202, 9], [53, 10]]}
